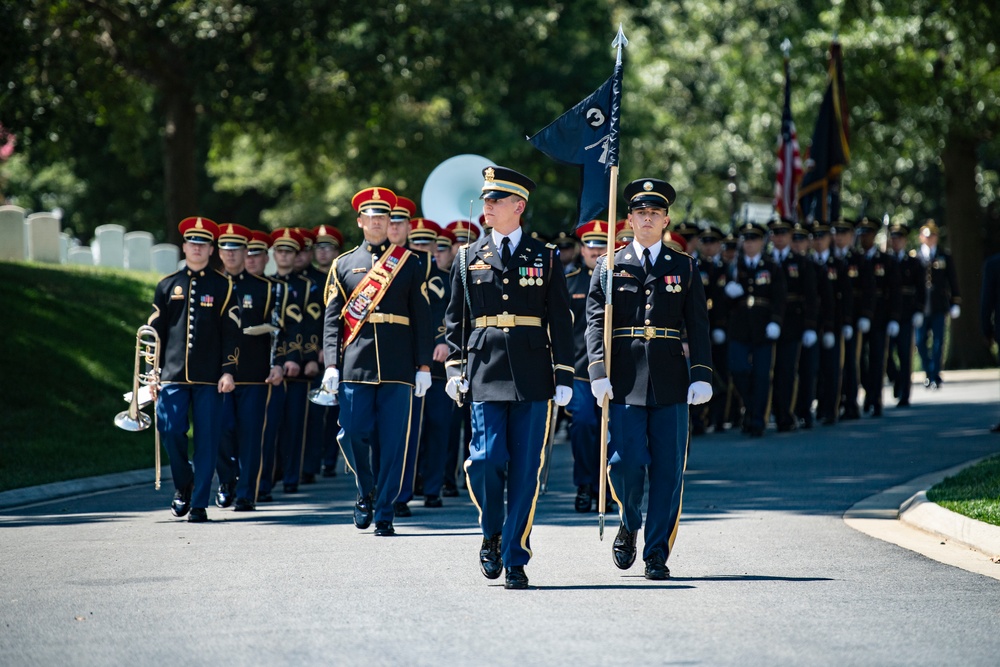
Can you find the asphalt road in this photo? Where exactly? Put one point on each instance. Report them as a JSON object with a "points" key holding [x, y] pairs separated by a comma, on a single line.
{"points": [[765, 571]]}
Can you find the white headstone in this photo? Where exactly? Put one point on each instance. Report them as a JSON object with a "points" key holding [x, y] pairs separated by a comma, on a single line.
{"points": [[65, 243], [138, 246], [164, 258], [109, 246], [13, 238], [43, 238], [81, 254]]}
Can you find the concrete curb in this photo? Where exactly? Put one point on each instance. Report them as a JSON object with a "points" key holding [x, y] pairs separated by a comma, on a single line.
{"points": [[75, 487], [928, 516]]}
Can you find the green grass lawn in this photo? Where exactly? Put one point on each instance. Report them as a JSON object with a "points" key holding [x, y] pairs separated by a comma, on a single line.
{"points": [[974, 492], [67, 352]]}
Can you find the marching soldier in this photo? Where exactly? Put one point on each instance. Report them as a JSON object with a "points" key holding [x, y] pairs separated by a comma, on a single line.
{"points": [[713, 279], [256, 367], [941, 299], [322, 427], [798, 327], [755, 310], [656, 294], [623, 234], [911, 312], [198, 342], [809, 357], [844, 250], [881, 273], [569, 251], [584, 426], [510, 336], [831, 357], [378, 353]]}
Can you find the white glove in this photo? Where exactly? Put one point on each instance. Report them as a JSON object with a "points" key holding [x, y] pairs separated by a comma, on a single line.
{"points": [[864, 325], [563, 395], [848, 332], [808, 337], [918, 320], [331, 380], [734, 290], [421, 383], [955, 312], [718, 336], [892, 329], [828, 340], [455, 386], [699, 392], [601, 389], [773, 330]]}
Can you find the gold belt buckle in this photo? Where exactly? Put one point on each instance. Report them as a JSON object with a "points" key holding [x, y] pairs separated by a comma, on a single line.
{"points": [[649, 332], [750, 302], [506, 320]]}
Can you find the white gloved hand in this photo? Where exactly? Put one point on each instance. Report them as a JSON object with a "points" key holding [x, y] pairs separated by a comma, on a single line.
{"points": [[421, 383], [773, 330], [892, 328], [848, 332], [864, 325], [563, 395], [918, 320], [601, 389], [699, 392], [829, 340], [331, 380], [808, 337], [718, 336], [734, 290], [955, 311], [455, 386]]}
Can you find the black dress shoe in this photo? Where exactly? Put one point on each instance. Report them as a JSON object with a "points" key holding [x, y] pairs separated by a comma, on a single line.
{"points": [[265, 498], [995, 428], [384, 529], [181, 502], [449, 492], [623, 550], [904, 403], [329, 471], [401, 510], [225, 495], [656, 566], [291, 488], [308, 478], [363, 512], [828, 421], [433, 501], [243, 505], [489, 557], [876, 411], [198, 515], [516, 578], [584, 500]]}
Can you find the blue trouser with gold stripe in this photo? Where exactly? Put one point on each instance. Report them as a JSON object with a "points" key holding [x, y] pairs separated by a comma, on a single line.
{"points": [[362, 406], [585, 435], [241, 445], [508, 444], [649, 441], [273, 415], [205, 403], [412, 451], [434, 438], [291, 436]]}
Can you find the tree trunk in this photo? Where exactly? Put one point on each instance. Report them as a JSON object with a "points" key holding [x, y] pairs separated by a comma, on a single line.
{"points": [[180, 162], [964, 220]]}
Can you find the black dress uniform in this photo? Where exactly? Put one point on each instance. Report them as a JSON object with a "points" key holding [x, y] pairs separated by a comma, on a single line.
{"points": [[861, 290], [377, 368], [316, 415], [713, 279], [883, 277], [831, 358], [828, 333], [198, 345], [656, 293], [911, 314], [941, 299], [514, 334]]}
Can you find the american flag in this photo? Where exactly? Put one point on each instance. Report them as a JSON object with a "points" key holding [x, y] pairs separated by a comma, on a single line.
{"points": [[789, 163]]}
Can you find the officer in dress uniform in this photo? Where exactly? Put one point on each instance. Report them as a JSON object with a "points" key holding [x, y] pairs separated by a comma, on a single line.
{"points": [[434, 428], [377, 350], [756, 307], [584, 427], [831, 357], [713, 279], [883, 276], [861, 287], [322, 427], [911, 312], [809, 356], [256, 368], [286, 409], [657, 294], [798, 327], [460, 435], [941, 300], [510, 352], [623, 234], [198, 343]]}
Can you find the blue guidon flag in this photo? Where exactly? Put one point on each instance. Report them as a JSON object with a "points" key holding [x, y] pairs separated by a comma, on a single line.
{"points": [[587, 135]]}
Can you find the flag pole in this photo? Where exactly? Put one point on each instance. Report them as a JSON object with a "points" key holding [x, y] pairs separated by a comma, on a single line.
{"points": [[602, 493]]}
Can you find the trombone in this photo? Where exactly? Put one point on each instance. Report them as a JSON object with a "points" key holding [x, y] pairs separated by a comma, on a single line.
{"points": [[144, 387]]}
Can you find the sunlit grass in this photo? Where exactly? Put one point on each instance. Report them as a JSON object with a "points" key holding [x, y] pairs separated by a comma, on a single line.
{"points": [[974, 492]]}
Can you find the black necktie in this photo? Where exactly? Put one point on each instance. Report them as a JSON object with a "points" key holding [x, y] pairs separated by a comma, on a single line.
{"points": [[505, 251]]}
